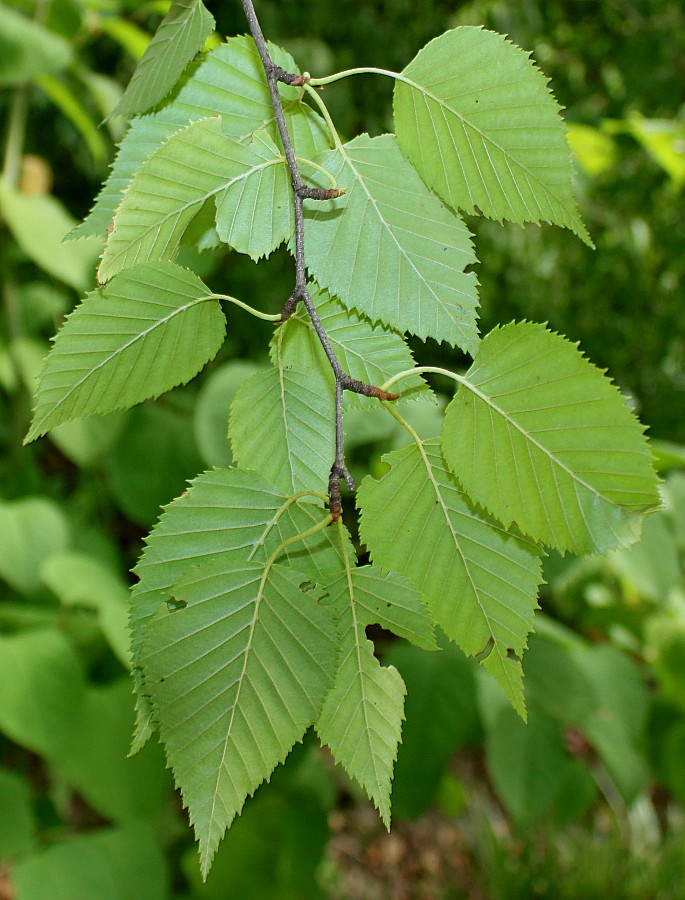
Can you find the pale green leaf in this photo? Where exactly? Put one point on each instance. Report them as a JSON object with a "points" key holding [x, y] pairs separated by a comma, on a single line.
{"points": [[283, 425], [28, 49], [210, 417], [477, 119], [230, 83], [43, 691], [72, 264], [31, 530], [369, 353], [388, 600], [109, 863], [361, 721], [389, 248], [179, 37], [96, 763], [223, 510], [237, 675], [254, 215], [479, 581], [540, 437], [81, 580], [152, 328], [195, 164]]}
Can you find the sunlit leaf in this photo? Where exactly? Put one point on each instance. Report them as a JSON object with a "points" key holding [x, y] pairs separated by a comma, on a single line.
{"points": [[479, 581], [477, 119], [558, 450]]}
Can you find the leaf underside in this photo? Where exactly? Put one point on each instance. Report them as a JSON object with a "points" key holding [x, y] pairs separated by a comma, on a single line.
{"points": [[181, 33], [237, 675], [558, 450], [195, 165], [282, 423], [484, 131], [389, 248], [479, 581], [212, 91], [152, 328]]}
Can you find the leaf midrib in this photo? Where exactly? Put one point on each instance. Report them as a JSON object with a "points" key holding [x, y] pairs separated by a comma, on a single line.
{"points": [[484, 137], [136, 337], [490, 403]]}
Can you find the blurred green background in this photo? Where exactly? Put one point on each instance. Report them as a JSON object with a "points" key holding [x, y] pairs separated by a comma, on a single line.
{"points": [[588, 800]]}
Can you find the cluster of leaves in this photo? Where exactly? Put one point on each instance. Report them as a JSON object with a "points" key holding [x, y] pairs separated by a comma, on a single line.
{"points": [[249, 617]]}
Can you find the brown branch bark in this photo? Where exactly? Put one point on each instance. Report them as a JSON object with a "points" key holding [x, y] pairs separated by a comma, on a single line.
{"points": [[301, 191]]}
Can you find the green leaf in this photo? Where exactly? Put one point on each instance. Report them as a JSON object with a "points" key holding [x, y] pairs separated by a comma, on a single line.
{"points": [[389, 248], [43, 691], [110, 864], [210, 419], [230, 83], [85, 441], [80, 580], [272, 852], [17, 819], [73, 108], [236, 675], [97, 766], [28, 49], [441, 718], [283, 425], [169, 190], [179, 37], [72, 264], [478, 580], [361, 719], [254, 215], [222, 511], [558, 450], [369, 353], [31, 530], [528, 763], [477, 119], [152, 328]]}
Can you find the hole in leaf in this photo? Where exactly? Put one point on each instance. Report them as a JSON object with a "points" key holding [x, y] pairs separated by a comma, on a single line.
{"points": [[173, 604]]}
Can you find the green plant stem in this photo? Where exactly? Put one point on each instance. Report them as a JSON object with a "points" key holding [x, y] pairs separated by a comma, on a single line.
{"points": [[268, 317], [392, 409], [419, 370], [288, 503], [364, 70], [313, 165], [327, 116], [303, 535]]}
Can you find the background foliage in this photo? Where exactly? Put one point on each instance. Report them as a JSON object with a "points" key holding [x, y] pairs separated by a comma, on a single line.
{"points": [[484, 805]]}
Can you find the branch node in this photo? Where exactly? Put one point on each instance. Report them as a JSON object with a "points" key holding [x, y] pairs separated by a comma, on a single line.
{"points": [[280, 74], [309, 193], [338, 472], [289, 306], [368, 390]]}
